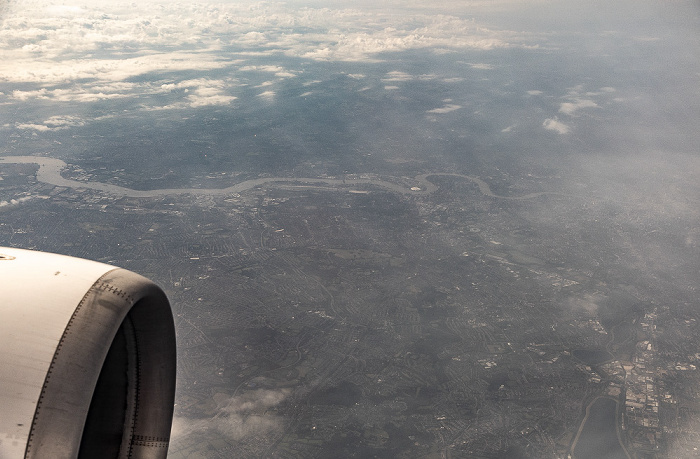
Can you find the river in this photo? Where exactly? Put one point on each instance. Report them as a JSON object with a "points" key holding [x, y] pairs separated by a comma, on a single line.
{"points": [[50, 172], [598, 437]]}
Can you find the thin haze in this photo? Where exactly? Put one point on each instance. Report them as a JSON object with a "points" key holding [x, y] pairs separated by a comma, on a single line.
{"points": [[588, 110]]}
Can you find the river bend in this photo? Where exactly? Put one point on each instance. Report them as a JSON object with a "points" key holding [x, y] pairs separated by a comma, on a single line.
{"points": [[50, 172]]}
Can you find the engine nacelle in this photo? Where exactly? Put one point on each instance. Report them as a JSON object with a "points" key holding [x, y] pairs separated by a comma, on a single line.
{"points": [[87, 360]]}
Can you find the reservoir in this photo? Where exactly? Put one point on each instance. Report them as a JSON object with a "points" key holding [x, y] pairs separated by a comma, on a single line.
{"points": [[598, 438], [592, 357]]}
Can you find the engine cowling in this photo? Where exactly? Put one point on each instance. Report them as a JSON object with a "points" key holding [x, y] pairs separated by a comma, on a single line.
{"points": [[87, 360]]}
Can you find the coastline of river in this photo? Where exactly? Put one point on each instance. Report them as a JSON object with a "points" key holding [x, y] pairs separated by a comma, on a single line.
{"points": [[50, 172], [599, 437]]}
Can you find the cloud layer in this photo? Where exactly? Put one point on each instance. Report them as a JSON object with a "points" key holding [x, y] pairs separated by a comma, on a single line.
{"points": [[577, 102], [69, 50], [237, 417], [182, 56], [553, 124]]}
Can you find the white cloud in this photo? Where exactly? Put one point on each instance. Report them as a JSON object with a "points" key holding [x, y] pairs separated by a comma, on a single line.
{"points": [[64, 121], [14, 202], [568, 108], [208, 96], [397, 76], [105, 50], [276, 69], [201, 92], [36, 127], [49, 72], [588, 304], [78, 93], [481, 66], [64, 10], [267, 95], [193, 93], [149, 33], [576, 99], [362, 40], [446, 109], [553, 124], [253, 38], [54, 123], [237, 418]]}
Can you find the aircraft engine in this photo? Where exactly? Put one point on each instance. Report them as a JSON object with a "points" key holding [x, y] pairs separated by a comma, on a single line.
{"points": [[87, 360]]}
